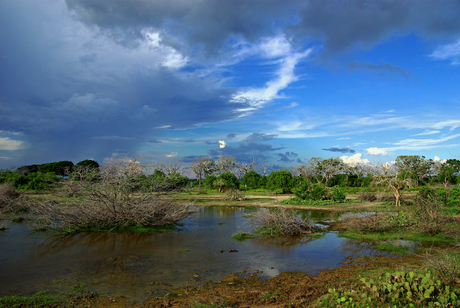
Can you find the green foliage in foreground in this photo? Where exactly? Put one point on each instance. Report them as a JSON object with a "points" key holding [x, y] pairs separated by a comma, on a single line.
{"points": [[394, 235], [395, 289], [41, 299], [298, 201]]}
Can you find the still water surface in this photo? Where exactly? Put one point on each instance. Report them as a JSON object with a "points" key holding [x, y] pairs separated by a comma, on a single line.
{"points": [[139, 265]]}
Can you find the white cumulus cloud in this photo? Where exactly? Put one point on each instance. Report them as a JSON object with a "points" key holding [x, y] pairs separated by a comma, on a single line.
{"points": [[377, 151], [10, 144], [354, 159], [222, 144]]}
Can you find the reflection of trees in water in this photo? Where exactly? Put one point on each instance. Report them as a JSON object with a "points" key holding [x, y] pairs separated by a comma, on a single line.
{"points": [[286, 242], [218, 211], [84, 243], [100, 257]]}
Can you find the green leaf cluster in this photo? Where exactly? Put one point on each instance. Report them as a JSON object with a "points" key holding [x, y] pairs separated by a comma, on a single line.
{"points": [[31, 181], [395, 289]]}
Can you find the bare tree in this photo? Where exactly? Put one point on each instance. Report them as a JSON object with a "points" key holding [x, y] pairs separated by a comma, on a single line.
{"points": [[390, 178], [111, 198], [330, 167], [265, 169], [225, 164], [168, 169], [202, 166], [244, 167]]}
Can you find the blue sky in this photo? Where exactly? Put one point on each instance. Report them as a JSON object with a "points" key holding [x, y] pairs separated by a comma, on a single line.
{"points": [[174, 80]]}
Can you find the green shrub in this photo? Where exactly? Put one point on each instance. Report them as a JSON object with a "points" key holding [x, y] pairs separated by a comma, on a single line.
{"points": [[251, 180], [337, 195], [280, 180]]}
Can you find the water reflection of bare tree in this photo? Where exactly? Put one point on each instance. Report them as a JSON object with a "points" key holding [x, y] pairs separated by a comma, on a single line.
{"points": [[90, 242], [359, 248], [286, 242]]}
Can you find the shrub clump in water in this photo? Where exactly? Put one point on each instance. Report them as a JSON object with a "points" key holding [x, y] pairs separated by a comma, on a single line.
{"points": [[279, 222]]}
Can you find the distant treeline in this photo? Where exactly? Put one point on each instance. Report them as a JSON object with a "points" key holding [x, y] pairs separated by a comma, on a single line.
{"points": [[62, 168], [39, 177]]}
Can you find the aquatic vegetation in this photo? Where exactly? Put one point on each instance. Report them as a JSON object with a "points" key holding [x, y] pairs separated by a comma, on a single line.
{"points": [[242, 236], [397, 249]]}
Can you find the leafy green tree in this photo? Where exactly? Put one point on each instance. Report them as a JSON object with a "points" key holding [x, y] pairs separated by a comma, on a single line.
{"points": [[88, 164], [251, 180], [414, 167], [329, 167], [447, 174], [39, 181], [280, 179], [16, 178], [209, 180], [226, 180], [177, 181]]}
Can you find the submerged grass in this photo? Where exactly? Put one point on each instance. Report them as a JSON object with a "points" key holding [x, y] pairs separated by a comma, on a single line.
{"points": [[397, 249], [386, 236], [242, 236]]}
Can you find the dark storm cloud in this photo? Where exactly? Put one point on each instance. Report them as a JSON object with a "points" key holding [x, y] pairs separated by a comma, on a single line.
{"points": [[258, 137], [343, 150], [380, 69], [64, 89], [288, 157], [154, 141], [341, 25], [70, 91], [245, 151], [231, 135], [212, 142]]}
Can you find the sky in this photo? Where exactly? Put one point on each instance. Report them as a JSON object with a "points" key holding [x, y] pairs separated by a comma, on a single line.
{"points": [[172, 80]]}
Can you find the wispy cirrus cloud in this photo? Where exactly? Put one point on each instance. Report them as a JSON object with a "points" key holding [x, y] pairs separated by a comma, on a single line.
{"points": [[448, 52]]}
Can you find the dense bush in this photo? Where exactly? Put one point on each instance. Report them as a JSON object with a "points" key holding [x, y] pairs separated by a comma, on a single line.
{"points": [[209, 180], [88, 164], [61, 168], [279, 222], [226, 180], [251, 180], [317, 191], [31, 181], [280, 180]]}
